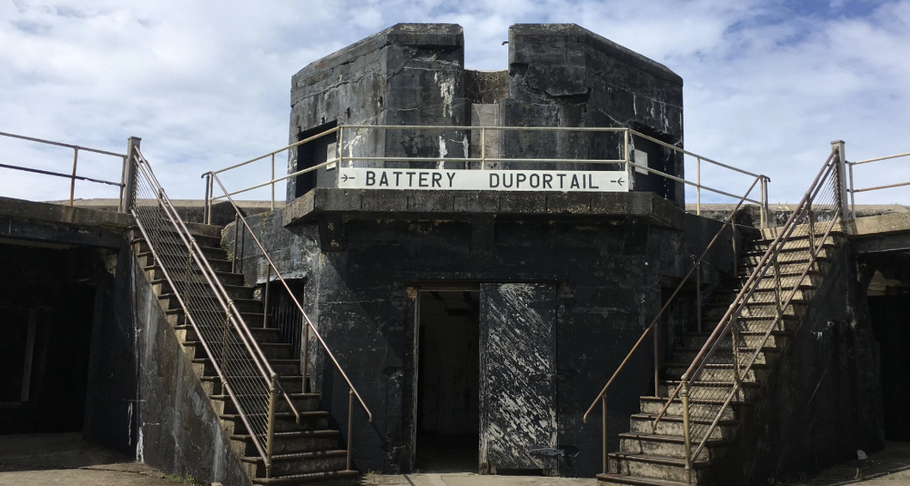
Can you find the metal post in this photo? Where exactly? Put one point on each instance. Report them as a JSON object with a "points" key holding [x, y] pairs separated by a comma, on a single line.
{"points": [[698, 186], [128, 177], [73, 178], [270, 440], [304, 360], [603, 400], [684, 396], [273, 180], [656, 359], [698, 291], [265, 297], [483, 148], [764, 204], [350, 423], [207, 217], [838, 146]]}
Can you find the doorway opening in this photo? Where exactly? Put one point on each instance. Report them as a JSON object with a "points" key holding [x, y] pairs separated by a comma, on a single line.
{"points": [[448, 381]]}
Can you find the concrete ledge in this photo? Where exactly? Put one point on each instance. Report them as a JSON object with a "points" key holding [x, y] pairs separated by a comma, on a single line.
{"points": [[462, 205], [57, 213]]}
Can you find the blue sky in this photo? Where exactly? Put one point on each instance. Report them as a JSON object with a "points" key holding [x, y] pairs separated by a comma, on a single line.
{"points": [[768, 84]]}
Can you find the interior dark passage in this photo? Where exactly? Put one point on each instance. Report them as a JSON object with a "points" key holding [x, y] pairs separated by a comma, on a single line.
{"points": [[448, 417], [312, 154], [47, 297]]}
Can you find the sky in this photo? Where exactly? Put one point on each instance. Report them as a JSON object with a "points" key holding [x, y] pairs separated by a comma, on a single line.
{"points": [[768, 83]]}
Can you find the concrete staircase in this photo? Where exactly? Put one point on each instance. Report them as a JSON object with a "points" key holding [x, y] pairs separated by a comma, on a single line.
{"points": [[656, 457], [308, 452]]}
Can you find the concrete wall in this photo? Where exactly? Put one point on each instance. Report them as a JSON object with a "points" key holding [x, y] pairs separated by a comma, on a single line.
{"points": [[559, 76], [179, 431], [611, 279], [823, 402]]}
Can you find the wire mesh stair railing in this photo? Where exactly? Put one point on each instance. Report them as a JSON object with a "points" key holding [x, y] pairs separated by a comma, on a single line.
{"points": [[244, 370], [775, 292]]}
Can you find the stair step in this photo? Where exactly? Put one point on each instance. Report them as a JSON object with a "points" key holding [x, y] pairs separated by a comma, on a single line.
{"points": [[627, 480], [748, 339], [716, 310], [667, 445], [713, 390], [186, 332], [657, 467], [766, 356], [270, 350], [653, 405], [721, 372], [253, 306], [323, 478], [176, 317], [162, 286], [283, 367], [155, 272], [284, 421], [300, 462], [303, 402], [217, 262]]}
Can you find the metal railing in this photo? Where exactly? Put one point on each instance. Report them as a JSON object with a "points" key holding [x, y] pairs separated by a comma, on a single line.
{"points": [[72, 175], [350, 138], [308, 327], [243, 369], [728, 226], [773, 290], [853, 191]]}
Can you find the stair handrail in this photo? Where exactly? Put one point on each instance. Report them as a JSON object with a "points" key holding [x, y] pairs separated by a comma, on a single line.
{"points": [[227, 304], [352, 390], [601, 397], [728, 321]]}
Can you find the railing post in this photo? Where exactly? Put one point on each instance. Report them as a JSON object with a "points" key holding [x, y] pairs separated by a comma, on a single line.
{"points": [[273, 181], [207, 216], [128, 177], [734, 339], [684, 396], [304, 358], [698, 291], [350, 423], [483, 148], [270, 439], [265, 297], [603, 400], [838, 146], [698, 186], [765, 210], [73, 178], [656, 359]]}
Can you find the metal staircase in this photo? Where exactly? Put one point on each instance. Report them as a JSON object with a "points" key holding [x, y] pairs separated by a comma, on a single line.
{"points": [[258, 389], [704, 393]]}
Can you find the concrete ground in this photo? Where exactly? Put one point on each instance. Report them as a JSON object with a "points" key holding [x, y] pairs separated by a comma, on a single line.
{"points": [[66, 459]]}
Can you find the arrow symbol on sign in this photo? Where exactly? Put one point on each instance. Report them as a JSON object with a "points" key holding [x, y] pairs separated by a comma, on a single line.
{"points": [[618, 181], [344, 178]]}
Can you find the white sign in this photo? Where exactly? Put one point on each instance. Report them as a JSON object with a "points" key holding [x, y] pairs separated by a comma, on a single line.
{"points": [[483, 180]]}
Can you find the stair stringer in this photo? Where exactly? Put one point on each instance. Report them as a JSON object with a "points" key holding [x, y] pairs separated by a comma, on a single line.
{"points": [[179, 429], [821, 402]]}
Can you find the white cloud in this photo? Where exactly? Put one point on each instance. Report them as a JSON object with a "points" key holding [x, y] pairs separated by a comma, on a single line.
{"points": [[205, 84]]}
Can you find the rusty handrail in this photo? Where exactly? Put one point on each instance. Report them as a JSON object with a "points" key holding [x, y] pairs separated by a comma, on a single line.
{"points": [[625, 160], [352, 391], [71, 176], [727, 322], [601, 397], [853, 191]]}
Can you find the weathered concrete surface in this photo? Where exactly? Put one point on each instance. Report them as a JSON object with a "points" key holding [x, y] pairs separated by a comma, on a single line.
{"points": [[611, 275], [823, 400], [36, 221], [179, 431], [464, 205], [465, 479]]}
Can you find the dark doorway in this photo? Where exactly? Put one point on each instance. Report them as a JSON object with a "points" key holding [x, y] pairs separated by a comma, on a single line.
{"points": [[47, 302], [313, 153], [448, 411]]}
